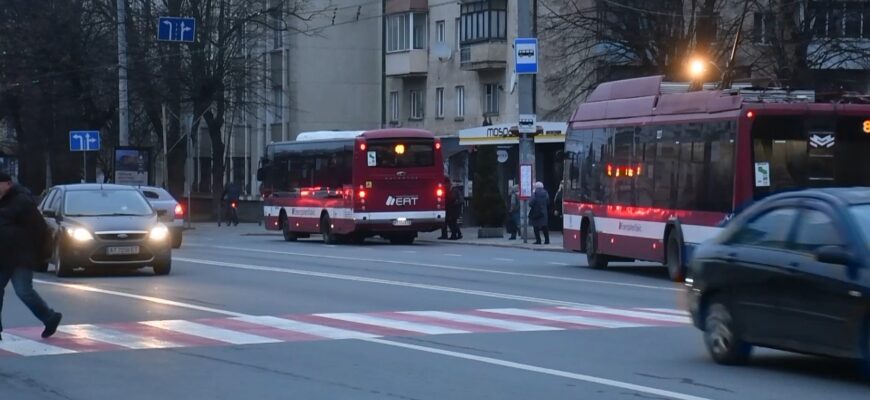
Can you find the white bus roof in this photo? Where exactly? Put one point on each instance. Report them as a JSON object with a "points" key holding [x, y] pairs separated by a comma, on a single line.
{"points": [[326, 135]]}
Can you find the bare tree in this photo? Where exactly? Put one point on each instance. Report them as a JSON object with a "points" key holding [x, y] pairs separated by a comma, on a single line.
{"points": [[599, 40]]}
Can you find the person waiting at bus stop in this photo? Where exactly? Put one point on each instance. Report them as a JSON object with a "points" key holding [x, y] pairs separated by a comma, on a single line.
{"points": [[539, 213], [455, 202], [446, 184]]}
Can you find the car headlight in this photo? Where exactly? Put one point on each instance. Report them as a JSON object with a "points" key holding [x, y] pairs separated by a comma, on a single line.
{"points": [[79, 234], [159, 232]]}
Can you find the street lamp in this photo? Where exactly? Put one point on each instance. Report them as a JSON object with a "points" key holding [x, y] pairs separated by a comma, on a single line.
{"points": [[697, 68]]}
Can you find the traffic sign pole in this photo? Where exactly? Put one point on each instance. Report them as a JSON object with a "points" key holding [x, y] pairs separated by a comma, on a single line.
{"points": [[526, 56]]}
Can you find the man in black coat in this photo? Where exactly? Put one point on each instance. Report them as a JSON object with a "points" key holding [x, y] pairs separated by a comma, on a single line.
{"points": [[22, 240]]}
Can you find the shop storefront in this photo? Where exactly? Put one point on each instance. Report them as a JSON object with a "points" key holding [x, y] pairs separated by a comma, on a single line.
{"points": [[549, 146]]}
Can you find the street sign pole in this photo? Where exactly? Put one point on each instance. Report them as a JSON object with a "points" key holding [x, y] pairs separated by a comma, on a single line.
{"points": [[526, 67]]}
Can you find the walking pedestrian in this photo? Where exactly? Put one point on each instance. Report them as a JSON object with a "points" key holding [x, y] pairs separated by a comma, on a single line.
{"points": [[539, 213], [23, 234], [455, 201], [557, 208], [514, 212]]}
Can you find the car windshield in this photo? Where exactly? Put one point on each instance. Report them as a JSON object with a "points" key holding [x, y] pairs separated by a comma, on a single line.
{"points": [[86, 203], [862, 217]]}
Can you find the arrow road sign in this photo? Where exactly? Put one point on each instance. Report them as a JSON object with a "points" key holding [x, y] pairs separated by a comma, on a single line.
{"points": [[175, 29], [84, 140], [526, 55]]}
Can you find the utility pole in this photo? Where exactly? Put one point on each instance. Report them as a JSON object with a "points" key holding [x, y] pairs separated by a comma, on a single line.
{"points": [[526, 107], [123, 104], [165, 157]]}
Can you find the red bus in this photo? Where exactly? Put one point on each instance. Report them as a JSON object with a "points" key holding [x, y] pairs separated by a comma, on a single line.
{"points": [[350, 185], [649, 175]]}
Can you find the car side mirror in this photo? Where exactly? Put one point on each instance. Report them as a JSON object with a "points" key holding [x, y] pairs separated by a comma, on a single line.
{"points": [[49, 214], [834, 255]]}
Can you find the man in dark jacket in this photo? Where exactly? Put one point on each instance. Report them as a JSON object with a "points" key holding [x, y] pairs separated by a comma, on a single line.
{"points": [[455, 201], [22, 240], [539, 213]]}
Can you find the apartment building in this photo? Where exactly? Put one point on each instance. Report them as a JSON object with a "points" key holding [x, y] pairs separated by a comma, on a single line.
{"points": [[449, 68]]}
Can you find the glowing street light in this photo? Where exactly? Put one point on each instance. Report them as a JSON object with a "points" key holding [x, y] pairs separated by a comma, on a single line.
{"points": [[697, 68]]}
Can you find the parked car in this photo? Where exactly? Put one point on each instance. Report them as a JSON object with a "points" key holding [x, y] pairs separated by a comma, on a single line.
{"points": [[97, 225], [791, 272], [170, 211]]}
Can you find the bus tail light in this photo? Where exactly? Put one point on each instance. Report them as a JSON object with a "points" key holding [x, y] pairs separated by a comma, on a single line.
{"points": [[439, 192], [361, 194], [179, 211], [362, 147], [437, 144]]}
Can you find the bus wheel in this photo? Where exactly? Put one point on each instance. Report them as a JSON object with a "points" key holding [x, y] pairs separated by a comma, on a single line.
{"points": [[285, 229], [326, 230], [595, 260], [674, 257]]}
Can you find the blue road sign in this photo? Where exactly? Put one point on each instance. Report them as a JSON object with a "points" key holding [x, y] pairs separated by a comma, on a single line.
{"points": [[175, 29], [84, 140], [526, 55]]}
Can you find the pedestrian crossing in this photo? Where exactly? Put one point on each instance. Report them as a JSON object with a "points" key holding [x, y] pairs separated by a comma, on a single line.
{"points": [[251, 330]]}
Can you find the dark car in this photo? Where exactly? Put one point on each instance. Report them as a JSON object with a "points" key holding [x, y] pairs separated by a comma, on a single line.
{"points": [[791, 272], [105, 226]]}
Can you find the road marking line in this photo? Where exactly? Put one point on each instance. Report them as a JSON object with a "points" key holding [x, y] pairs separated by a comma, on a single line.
{"points": [[629, 313], [393, 323], [305, 327], [541, 370], [157, 300], [573, 319], [448, 267], [504, 259], [452, 255], [355, 278], [117, 338], [210, 332], [409, 251], [558, 263], [493, 322], [668, 311], [26, 347]]}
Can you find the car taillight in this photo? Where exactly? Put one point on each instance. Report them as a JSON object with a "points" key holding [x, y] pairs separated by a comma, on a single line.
{"points": [[179, 210]]}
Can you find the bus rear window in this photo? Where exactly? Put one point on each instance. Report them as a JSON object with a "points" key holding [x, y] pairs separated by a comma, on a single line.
{"points": [[398, 153]]}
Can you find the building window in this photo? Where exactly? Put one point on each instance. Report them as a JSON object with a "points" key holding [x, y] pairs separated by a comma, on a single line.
{"points": [[277, 103], [457, 32], [406, 30], [460, 102], [840, 19], [416, 104], [439, 102], [763, 28], [439, 32], [394, 106], [490, 91], [484, 20]]}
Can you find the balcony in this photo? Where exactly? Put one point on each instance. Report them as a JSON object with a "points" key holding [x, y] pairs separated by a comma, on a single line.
{"points": [[407, 63], [483, 56]]}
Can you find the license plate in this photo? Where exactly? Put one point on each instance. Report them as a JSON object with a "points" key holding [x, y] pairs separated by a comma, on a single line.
{"points": [[123, 251], [402, 222]]}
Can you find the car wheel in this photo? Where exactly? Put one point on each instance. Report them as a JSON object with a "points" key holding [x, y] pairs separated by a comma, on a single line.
{"points": [[61, 269], [289, 236], [722, 338], [403, 239], [674, 258], [593, 258], [163, 267], [176, 240], [326, 230]]}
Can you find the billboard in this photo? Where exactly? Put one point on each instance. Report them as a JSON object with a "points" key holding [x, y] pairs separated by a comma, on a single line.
{"points": [[132, 166]]}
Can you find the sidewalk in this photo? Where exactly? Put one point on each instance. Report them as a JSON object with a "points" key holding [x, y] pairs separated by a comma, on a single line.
{"points": [[469, 236]]}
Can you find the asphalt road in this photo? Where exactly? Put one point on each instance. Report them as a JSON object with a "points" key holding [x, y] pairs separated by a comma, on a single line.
{"points": [[253, 317]]}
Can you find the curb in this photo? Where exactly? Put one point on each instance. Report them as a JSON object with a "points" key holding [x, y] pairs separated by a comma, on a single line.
{"points": [[500, 245]]}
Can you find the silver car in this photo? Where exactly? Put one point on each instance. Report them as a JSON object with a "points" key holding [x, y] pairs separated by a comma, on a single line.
{"points": [[170, 211]]}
